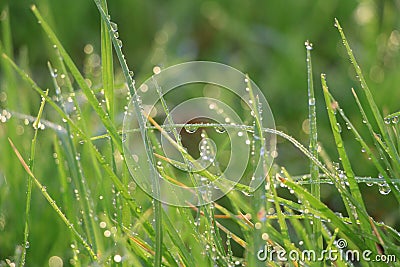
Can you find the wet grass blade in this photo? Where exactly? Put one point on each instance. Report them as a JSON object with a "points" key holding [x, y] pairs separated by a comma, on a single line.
{"points": [[313, 146], [92, 100], [31, 163], [53, 203], [375, 110], [117, 43], [354, 213]]}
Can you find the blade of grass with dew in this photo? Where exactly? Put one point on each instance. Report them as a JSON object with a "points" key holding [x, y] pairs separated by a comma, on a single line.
{"points": [[313, 146], [53, 203], [31, 164], [172, 232], [368, 151], [104, 117], [117, 43], [66, 200], [259, 203], [81, 122], [375, 110], [107, 65], [354, 189], [100, 158], [207, 213], [321, 210], [78, 176], [107, 73], [377, 141]]}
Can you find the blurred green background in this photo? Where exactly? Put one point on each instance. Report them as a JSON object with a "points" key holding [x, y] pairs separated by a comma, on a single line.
{"points": [[262, 38]]}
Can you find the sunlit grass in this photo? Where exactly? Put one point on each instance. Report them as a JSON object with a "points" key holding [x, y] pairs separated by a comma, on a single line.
{"points": [[108, 219]]}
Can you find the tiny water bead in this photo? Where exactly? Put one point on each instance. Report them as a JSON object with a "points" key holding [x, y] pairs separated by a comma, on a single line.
{"points": [[220, 129], [114, 26], [5, 116]]}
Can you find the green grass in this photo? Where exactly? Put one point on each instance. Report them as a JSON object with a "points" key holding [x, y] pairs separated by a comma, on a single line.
{"points": [[95, 214]]}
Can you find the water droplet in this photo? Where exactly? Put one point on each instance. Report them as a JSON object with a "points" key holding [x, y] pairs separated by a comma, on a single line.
{"points": [[119, 42], [116, 35], [384, 189], [190, 128], [114, 26], [220, 129], [338, 128], [309, 45], [395, 120], [311, 101], [27, 245], [336, 24], [117, 258]]}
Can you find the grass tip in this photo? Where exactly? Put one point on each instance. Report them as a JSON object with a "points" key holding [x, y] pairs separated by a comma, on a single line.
{"points": [[308, 45], [33, 7], [337, 24]]}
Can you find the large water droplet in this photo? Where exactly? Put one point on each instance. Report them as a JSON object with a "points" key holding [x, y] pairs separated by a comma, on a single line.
{"points": [[311, 101], [384, 189], [190, 128]]}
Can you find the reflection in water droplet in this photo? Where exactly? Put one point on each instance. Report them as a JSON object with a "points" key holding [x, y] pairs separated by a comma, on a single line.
{"points": [[190, 128], [114, 26], [384, 189], [220, 129]]}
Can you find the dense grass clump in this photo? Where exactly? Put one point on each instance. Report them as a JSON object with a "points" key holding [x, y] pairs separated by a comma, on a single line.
{"points": [[65, 146]]}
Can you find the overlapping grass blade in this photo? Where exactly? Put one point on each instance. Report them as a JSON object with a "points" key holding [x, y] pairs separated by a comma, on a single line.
{"points": [[375, 110], [53, 203], [31, 163], [354, 213]]}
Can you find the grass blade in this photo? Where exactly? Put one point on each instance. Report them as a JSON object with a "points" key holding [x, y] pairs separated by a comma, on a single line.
{"points": [[354, 214], [31, 163], [313, 146], [53, 203], [375, 110]]}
